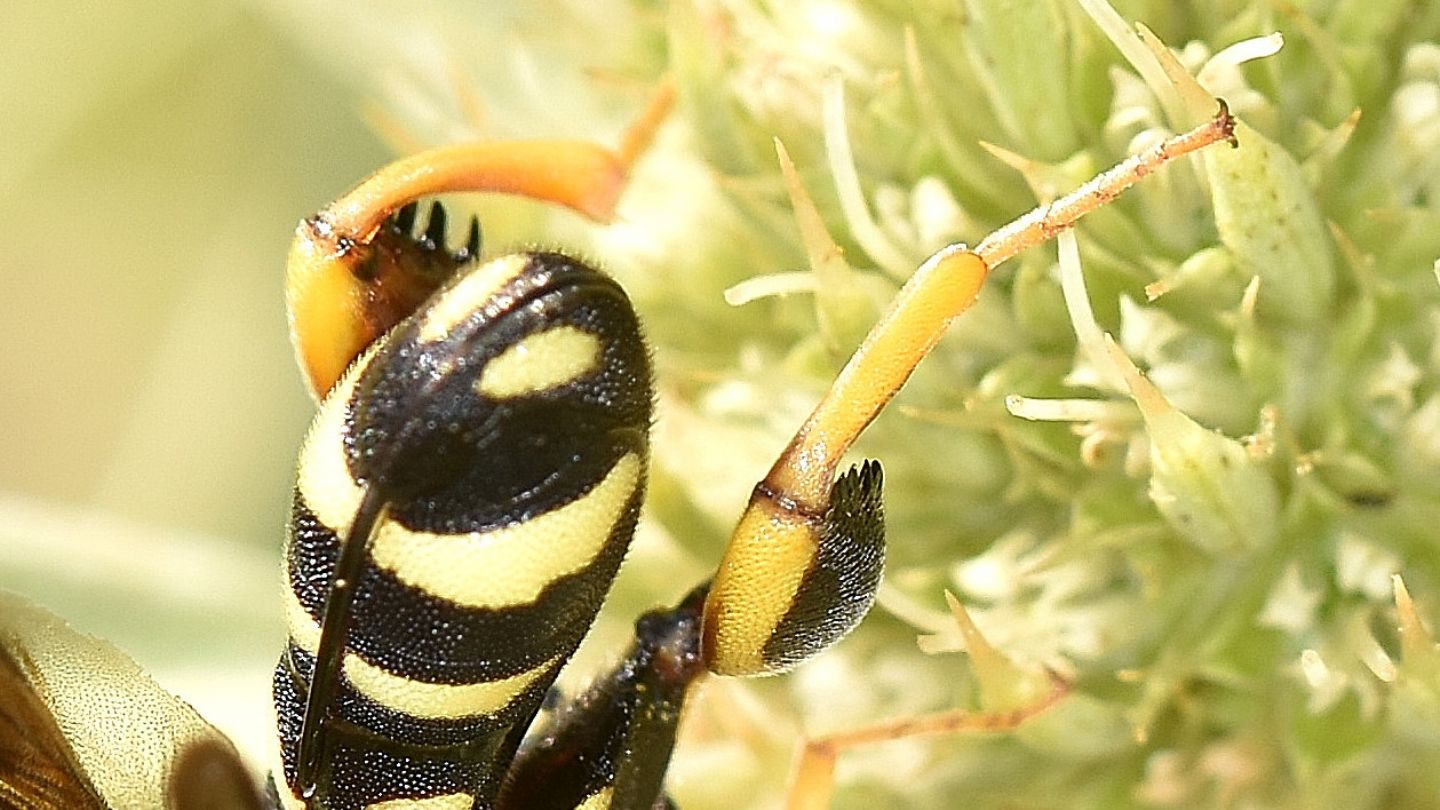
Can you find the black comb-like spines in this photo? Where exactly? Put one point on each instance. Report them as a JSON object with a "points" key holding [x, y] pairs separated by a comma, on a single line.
{"points": [[434, 236]]}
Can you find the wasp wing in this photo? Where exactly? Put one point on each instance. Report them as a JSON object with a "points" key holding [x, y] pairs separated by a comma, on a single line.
{"points": [[37, 768], [82, 726]]}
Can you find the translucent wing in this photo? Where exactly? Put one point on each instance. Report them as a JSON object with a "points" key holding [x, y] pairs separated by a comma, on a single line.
{"points": [[85, 727], [37, 767]]}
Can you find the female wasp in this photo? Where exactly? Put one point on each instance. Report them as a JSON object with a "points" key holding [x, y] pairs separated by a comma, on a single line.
{"points": [[471, 482], [478, 463]]}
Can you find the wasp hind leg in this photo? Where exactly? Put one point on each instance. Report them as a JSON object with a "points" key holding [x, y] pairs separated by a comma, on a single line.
{"points": [[769, 609], [780, 539], [1020, 695], [609, 747], [354, 270]]}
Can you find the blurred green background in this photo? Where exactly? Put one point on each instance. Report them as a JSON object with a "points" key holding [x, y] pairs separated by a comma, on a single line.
{"points": [[156, 157]]}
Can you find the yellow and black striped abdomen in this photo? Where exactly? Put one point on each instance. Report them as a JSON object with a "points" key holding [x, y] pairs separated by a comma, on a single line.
{"points": [[498, 437]]}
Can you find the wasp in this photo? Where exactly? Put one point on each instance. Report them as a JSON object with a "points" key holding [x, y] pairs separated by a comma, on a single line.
{"points": [[468, 490]]}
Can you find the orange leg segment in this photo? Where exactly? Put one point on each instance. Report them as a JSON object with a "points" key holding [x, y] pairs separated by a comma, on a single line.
{"points": [[813, 780], [779, 535], [939, 291], [343, 292], [943, 288]]}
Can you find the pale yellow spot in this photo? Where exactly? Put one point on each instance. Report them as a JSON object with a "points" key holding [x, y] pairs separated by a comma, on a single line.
{"points": [[450, 801], [540, 362], [325, 482], [597, 801], [469, 294], [510, 565], [427, 700], [755, 587]]}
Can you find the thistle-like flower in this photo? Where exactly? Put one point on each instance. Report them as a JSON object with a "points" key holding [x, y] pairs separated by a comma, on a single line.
{"points": [[1204, 544]]}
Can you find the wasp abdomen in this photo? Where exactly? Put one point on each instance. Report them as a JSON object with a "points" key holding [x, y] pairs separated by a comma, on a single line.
{"points": [[504, 426]]}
